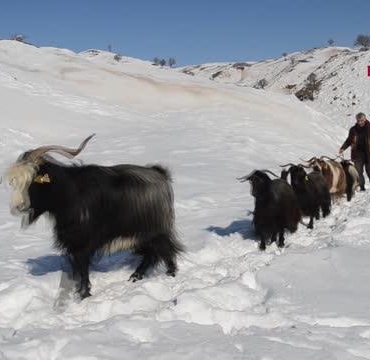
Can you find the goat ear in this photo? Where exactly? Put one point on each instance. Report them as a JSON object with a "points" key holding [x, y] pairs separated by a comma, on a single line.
{"points": [[42, 179]]}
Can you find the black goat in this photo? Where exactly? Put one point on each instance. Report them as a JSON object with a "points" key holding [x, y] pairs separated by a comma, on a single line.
{"points": [[352, 178], [311, 190], [276, 207], [99, 209]]}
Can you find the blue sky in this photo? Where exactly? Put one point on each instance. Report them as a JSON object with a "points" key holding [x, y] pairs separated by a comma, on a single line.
{"points": [[191, 31]]}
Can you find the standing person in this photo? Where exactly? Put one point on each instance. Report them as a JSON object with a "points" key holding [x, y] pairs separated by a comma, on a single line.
{"points": [[359, 140]]}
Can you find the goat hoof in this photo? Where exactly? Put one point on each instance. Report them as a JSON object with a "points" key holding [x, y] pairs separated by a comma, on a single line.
{"points": [[135, 277], [262, 247], [280, 244], [171, 273], [84, 294]]}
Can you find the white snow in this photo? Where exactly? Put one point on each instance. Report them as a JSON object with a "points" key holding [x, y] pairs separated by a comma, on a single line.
{"points": [[342, 72], [229, 300]]}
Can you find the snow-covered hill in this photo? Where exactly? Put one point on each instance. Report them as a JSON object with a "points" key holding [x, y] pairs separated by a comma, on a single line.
{"points": [[345, 86], [229, 300]]}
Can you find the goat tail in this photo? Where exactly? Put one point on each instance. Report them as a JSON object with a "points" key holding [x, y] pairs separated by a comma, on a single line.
{"points": [[175, 244], [164, 248]]}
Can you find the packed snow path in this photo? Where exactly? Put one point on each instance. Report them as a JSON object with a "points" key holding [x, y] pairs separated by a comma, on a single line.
{"points": [[229, 300]]}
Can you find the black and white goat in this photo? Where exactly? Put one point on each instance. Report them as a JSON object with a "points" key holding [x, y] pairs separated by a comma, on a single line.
{"points": [[98, 209], [276, 207], [333, 173]]}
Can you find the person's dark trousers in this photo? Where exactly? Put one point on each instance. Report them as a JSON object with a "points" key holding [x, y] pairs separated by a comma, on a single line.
{"points": [[360, 165]]}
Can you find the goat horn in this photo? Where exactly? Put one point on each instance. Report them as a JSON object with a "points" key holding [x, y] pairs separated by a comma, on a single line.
{"points": [[313, 158], [243, 179], [305, 166], [327, 157], [268, 171], [35, 154], [246, 177]]}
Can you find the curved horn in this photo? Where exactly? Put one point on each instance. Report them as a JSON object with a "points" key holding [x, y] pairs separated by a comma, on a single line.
{"points": [[304, 166], [327, 157], [35, 154], [313, 158], [246, 177], [290, 164], [268, 171]]}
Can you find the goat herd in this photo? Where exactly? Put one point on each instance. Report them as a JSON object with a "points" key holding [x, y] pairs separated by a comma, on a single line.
{"points": [[279, 206], [103, 209]]}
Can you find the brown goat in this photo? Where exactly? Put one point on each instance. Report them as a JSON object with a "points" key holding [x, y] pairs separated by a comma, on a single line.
{"points": [[333, 173]]}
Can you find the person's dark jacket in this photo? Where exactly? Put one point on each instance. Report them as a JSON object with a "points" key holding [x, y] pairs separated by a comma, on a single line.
{"points": [[353, 140]]}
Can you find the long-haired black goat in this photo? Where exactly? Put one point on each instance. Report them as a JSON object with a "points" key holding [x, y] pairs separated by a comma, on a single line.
{"points": [[276, 207], [312, 191], [98, 209]]}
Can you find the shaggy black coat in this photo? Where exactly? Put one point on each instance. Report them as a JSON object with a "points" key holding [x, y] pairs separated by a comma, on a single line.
{"points": [[103, 209], [312, 192], [276, 208]]}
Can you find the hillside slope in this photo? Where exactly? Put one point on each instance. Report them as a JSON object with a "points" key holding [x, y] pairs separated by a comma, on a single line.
{"points": [[345, 86], [229, 300]]}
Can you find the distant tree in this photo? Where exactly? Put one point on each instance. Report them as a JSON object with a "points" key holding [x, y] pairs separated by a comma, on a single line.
{"points": [[109, 47], [312, 80], [216, 74], [284, 54], [117, 57], [362, 40], [331, 42], [18, 37], [312, 86], [156, 61], [261, 84], [162, 62], [171, 62]]}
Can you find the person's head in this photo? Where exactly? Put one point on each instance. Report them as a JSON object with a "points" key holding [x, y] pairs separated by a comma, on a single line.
{"points": [[361, 119]]}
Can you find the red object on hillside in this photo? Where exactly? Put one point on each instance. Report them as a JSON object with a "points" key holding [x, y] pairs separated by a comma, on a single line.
{"points": [[368, 70]]}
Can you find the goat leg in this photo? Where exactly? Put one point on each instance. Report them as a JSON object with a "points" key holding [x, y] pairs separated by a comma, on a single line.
{"points": [[80, 264], [281, 239], [310, 224], [142, 268], [262, 245], [273, 237]]}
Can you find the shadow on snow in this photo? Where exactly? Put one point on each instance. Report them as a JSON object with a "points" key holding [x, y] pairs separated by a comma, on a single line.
{"points": [[52, 263], [243, 227]]}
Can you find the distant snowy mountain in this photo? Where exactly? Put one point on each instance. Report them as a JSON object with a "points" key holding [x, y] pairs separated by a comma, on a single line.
{"points": [[342, 72]]}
